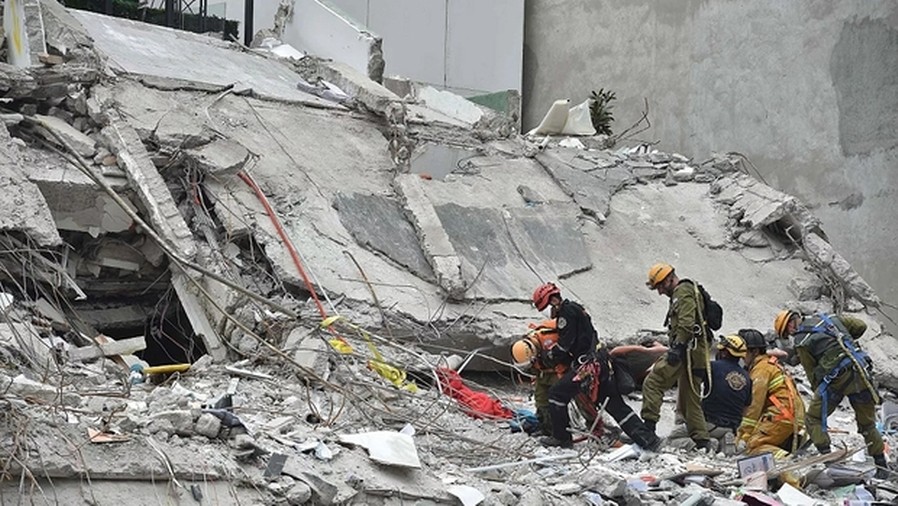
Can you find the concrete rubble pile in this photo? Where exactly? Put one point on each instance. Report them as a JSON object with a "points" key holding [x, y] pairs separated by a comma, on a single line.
{"points": [[172, 199]]}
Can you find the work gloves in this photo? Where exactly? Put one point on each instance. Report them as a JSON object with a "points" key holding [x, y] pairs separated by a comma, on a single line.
{"points": [[676, 353], [548, 357]]}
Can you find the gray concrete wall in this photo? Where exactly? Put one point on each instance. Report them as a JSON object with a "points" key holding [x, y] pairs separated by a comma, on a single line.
{"points": [[807, 89]]}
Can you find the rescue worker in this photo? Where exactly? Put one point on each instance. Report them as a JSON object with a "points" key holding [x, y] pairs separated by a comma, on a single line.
{"points": [[688, 359], [774, 420], [589, 369], [525, 353], [836, 368], [730, 395]]}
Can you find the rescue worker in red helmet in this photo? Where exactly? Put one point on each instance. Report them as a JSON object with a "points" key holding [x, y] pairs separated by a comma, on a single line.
{"points": [[589, 366]]}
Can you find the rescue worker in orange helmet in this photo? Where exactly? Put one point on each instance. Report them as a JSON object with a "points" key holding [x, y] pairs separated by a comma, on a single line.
{"points": [[589, 366], [837, 368], [525, 353], [688, 357], [774, 420]]}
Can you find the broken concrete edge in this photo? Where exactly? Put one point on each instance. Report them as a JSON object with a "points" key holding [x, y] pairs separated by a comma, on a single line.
{"points": [[434, 240], [198, 318], [150, 187], [758, 206], [119, 347]]}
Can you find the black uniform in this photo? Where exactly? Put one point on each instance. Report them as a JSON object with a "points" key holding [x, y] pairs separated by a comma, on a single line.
{"points": [[577, 343], [577, 340]]}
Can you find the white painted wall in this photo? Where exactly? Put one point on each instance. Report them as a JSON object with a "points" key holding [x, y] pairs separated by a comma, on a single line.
{"points": [[467, 46], [318, 28]]}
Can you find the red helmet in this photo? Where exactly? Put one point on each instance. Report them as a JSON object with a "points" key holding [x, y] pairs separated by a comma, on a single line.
{"points": [[542, 293]]}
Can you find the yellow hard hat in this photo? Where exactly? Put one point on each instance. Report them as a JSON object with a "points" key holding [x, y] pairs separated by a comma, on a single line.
{"points": [[733, 344], [781, 322], [523, 351], [658, 273]]}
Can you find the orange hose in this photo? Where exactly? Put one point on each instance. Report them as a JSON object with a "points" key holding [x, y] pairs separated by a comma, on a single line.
{"points": [[286, 240]]}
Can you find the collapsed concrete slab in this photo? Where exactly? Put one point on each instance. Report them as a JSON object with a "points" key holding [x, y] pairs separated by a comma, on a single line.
{"points": [[434, 240], [379, 222], [164, 52], [23, 208], [221, 158], [150, 187]]}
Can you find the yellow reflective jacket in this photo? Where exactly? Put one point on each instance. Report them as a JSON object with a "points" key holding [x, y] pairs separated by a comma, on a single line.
{"points": [[773, 397]]}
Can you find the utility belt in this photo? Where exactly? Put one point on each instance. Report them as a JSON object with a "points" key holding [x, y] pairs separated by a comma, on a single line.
{"points": [[845, 365]]}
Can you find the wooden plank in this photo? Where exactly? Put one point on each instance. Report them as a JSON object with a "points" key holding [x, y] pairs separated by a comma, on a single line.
{"points": [[109, 348]]}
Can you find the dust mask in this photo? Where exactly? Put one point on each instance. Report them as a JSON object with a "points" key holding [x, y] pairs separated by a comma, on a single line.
{"points": [[547, 312]]}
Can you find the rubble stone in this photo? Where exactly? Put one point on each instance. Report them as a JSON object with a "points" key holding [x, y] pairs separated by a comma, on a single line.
{"points": [[824, 257], [300, 493], [208, 425], [806, 288], [82, 144], [753, 239], [181, 422], [221, 158]]}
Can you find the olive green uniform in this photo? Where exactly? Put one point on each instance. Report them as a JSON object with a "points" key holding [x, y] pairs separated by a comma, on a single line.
{"points": [[689, 374], [544, 381], [820, 353]]}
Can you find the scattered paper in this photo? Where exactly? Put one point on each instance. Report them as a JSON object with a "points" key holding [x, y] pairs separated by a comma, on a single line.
{"points": [[386, 447], [469, 496], [623, 453], [794, 497]]}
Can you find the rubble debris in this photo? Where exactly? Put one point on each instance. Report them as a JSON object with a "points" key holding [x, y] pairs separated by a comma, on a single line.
{"points": [[84, 145], [150, 187], [120, 347]]}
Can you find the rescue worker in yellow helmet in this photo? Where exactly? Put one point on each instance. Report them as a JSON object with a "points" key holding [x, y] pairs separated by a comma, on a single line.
{"points": [[729, 396], [526, 354], [688, 356], [836, 368], [774, 420]]}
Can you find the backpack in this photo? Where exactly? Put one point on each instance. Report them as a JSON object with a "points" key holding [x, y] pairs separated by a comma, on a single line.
{"points": [[713, 313]]}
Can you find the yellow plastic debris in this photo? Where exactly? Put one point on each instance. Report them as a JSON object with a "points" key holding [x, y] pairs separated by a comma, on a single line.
{"points": [[341, 346]]}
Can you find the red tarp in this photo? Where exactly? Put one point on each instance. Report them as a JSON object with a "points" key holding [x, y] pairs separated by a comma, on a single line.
{"points": [[476, 404]]}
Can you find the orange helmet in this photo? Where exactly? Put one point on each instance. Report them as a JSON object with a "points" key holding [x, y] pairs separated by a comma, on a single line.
{"points": [[523, 351], [781, 323], [542, 293], [658, 273]]}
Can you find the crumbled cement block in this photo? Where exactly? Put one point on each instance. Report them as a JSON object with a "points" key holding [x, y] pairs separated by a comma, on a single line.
{"points": [[806, 288], [24, 387], [221, 158], [310, 351], [208, 425], [82, 144], [181, 422], [754, 239], [300, 493]]}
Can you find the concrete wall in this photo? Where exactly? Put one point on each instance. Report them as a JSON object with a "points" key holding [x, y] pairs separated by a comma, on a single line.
{"points": [[317, 28], [807, 89], [467, 46]]}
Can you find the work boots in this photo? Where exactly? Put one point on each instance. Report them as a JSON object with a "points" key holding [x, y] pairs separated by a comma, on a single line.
{"points": [[883, 472], [651, 425], [552, 442]]}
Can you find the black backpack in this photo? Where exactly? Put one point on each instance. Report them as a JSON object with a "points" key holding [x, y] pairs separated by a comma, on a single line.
{"points": [[713, 312]]}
